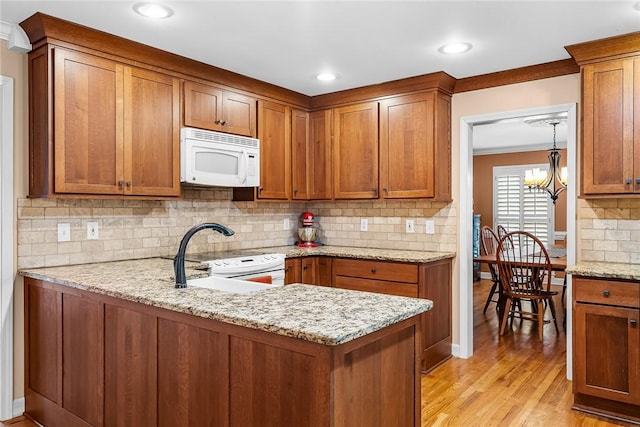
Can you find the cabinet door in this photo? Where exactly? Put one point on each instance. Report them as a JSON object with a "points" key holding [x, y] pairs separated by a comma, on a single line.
{"points": [[275, 150], [238, 114], [292, 271], [309, 267], [194, 381], [319, 164], [83, 358], [355, 151], [606, 348], [608, 152], [88, 122], [131, 348], [407, 146], [152, 133], [202, 106], [301, 160]]}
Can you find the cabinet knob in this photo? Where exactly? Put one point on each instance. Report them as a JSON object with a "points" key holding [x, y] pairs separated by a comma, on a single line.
{"points": [[637, 180], [304, 268], [121, 182], [223, 122], [295, 191], [373, 270], [385, 189], [633, 322], [606, 293], [217, 122], [129, 183], [627, 181], [260, 189]]}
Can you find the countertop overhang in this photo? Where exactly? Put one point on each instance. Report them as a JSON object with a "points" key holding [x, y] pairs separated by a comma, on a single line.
{"points": [[313, 313], [606, 270]]}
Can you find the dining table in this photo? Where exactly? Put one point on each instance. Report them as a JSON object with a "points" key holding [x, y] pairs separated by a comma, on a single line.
{"points": [[558, 260]]}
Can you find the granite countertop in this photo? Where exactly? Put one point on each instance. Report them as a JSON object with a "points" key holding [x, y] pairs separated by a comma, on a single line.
{"points": [[292, 251], [314, 313], [606, 270]]}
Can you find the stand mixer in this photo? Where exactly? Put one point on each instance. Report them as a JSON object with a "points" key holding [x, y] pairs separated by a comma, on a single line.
{"points": [[307, 233]]}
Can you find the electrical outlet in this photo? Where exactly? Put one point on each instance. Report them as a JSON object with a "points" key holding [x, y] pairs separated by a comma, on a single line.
{"points": [[364, 224], [92, 230], [429, 227], [411, 226], [64, 232], [285, 224]]}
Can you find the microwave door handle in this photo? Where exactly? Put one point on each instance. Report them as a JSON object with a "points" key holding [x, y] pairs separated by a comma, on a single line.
{"points": [[246, 166]]}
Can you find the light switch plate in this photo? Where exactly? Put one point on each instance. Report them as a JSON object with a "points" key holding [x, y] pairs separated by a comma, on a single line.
{"points": [[64, 232], [92, 230], [411, 226], [286, 224], [429, 227], [364, 224]]}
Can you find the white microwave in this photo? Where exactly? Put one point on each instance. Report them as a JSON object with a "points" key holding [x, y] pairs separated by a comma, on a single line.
{"points": [[219, 159]]}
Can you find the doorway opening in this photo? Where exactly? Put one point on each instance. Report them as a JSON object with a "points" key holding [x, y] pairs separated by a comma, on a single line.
{"points": [[465, 262]]}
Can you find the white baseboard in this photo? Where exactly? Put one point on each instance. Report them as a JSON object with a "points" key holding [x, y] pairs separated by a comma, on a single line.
{"points": [[455, 350], [18, 407]]}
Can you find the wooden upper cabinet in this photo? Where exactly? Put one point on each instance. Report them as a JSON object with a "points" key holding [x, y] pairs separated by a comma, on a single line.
{"points": [[300, 155], [608, 125], [274, 132], [88, 124], [214, 108], [355, 151], [152, 133], [407, 146], [320, 158], [311, 155], [115, 127]]}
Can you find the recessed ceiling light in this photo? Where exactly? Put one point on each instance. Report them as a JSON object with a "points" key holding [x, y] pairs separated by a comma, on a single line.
{"points": [[326, 77], [153, 10], [457, 47]]}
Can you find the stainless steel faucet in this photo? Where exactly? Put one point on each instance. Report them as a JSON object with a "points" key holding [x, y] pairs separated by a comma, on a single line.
{"points": [[178, 261]]}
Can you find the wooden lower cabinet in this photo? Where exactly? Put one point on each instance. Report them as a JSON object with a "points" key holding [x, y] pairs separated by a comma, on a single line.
{"points": [[312, 270], [431, 281], [606, 347], [94, 360]]}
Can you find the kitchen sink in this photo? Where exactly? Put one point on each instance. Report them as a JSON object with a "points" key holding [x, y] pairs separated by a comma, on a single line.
{"points": [[228, 285]]}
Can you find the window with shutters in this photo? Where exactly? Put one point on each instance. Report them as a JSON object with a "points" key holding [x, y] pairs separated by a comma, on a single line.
{"points": [[516, 207]]}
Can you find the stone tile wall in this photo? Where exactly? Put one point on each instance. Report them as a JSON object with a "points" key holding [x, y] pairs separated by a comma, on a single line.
{"points": [[138, 229], [609, 230]]}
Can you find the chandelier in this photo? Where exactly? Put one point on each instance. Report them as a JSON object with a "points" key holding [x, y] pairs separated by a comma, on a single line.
{"points": [[553, 182]]}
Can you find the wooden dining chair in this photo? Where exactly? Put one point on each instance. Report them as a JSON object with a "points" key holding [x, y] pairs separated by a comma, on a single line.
{"points": [[524, 270], [488, 245], [501, 231]]}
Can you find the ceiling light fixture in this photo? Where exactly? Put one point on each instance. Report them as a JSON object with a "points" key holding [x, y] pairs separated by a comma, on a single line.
{"points": [[455, 48], [326, 77], [153, 10], [554, 182]]}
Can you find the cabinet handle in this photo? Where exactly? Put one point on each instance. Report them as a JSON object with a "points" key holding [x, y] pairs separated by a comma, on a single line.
{"points": [[373, 270], [121, 182], [223, 122], [129, 183], [637, 180], [633, 322], [627, 181], [385, 190], [260, 189], [217, 122], [606, 293], [295, 191], [304, 268]]}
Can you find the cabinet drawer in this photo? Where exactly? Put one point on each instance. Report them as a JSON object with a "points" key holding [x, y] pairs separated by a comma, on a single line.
{"points": [[377, 286], [377, 270], [609, 292]]}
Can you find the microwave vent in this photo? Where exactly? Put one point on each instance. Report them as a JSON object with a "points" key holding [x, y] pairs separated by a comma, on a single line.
{"points": [[225, 138]]}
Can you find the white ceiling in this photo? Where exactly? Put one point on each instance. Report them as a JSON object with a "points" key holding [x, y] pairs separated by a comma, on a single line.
{"points": [[288, 43]]}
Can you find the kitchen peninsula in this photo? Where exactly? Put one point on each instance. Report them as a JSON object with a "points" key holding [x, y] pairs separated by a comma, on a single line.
{"points": [[115, 342]]}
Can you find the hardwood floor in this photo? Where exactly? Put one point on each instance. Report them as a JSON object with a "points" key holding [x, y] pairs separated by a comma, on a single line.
{"points": [[513, 380]]}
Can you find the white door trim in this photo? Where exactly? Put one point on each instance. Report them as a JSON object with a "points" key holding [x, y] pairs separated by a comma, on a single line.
{"points": [[7, 267], [465, 255]]}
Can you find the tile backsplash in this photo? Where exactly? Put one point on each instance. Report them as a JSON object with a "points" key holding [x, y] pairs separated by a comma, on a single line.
{"points": [[138, 228], [609, 230]]}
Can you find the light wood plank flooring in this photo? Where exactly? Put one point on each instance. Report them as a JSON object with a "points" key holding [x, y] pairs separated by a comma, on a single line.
{"points": [[513, 380], [510, 381]]}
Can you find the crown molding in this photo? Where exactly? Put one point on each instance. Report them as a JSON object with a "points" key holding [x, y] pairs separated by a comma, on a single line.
{"points": [[16, 37]]}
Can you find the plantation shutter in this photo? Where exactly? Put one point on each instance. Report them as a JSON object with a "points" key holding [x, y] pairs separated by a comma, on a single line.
{"points": [[516, 207]]}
